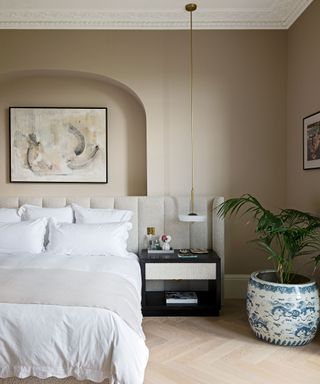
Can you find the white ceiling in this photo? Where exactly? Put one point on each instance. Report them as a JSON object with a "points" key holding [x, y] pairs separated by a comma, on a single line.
{"points": [[149, 14]]}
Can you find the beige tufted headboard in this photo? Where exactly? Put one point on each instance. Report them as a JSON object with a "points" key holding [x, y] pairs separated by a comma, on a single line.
{"points": [[160, 212]]}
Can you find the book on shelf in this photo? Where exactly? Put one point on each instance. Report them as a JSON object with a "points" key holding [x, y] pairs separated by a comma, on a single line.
{"points": [[160, 251], [181, 298]]}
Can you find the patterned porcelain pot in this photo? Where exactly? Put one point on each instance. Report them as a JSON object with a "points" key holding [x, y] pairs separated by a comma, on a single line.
{"points": [[283, 314]]}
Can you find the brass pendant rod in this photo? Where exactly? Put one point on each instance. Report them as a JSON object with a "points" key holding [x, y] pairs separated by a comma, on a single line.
{"points": [[190, 8]]}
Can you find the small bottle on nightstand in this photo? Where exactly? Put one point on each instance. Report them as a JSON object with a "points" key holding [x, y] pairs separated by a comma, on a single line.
{"points": [[153, 240]]}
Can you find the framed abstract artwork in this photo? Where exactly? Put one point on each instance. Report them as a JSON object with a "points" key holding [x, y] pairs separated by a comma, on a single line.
{"points": [[58, 145], [311, 141]]}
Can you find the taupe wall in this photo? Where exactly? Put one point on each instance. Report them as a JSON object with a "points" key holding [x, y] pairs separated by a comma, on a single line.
{"points": [[240, 109], [126, 120], [303, 187]]}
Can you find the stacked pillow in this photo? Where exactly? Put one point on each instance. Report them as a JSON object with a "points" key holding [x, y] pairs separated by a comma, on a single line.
{"points": [[89, 239], [9, 215], [17, 236], [32, 212], [96, 231], [99, 215]]}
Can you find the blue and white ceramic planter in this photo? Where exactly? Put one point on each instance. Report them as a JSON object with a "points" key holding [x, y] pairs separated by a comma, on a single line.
{"points": [[283, 314]]}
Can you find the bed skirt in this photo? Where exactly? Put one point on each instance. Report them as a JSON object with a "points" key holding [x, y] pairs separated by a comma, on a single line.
{"points": [[49, 380]]}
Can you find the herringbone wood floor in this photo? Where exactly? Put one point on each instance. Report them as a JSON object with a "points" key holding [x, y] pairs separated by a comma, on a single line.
{"points": [[223, 350]]}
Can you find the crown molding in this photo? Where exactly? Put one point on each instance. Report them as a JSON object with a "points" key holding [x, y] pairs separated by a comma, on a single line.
{"points": [[293, 12], [281, 16]]}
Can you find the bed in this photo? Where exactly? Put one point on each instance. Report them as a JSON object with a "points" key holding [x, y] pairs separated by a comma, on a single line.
{"points": [[48, 335]]}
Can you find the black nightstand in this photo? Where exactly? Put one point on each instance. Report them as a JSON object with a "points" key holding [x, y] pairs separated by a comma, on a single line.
{"points": [[171, 267]]}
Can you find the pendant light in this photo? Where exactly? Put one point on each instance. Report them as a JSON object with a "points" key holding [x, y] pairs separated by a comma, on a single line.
{"points": [[192, 216]]}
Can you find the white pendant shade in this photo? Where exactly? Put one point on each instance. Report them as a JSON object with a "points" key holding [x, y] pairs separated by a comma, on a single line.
{"points": [[192, 218]]}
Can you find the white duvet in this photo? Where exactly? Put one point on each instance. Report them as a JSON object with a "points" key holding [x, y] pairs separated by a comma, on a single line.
{"points": [[85, 342]]}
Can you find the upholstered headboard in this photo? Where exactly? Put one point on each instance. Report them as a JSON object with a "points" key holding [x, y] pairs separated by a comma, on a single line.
{"points": [[160, 212]]}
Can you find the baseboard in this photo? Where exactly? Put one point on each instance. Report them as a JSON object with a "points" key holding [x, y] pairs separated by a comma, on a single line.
{"points": [[235, 286]]}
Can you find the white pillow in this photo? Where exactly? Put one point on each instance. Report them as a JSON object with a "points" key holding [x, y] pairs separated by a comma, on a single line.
{"points": [[100, 215], [26, 236], [89, 239], [9, 215], [32, 212]]}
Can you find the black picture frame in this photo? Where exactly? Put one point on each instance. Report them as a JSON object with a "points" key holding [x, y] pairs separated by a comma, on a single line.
{"points": [[311, 141], [58, 145]]}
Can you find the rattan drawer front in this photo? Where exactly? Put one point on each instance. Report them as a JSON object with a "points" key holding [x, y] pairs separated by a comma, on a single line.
{"points": [[179, 271]]}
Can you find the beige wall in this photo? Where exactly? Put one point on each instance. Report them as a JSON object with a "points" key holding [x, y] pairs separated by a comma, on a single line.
{"points": [[126, 131], [240, 108], [303, 187]]}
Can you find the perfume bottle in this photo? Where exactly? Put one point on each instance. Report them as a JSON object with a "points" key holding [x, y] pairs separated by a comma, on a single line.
{"points": [[153, 241]]}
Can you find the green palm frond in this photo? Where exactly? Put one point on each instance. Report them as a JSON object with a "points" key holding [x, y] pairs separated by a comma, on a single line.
{"points": [[283, 236]]}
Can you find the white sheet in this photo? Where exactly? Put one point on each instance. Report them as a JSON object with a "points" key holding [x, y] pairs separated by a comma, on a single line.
{"points": [[86, 343]]}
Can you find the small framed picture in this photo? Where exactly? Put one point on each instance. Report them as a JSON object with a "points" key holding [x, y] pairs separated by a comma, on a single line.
{"points": [[311, 141]]}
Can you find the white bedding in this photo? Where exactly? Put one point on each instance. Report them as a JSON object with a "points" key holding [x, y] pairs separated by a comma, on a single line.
{"points": [[57, 340]]}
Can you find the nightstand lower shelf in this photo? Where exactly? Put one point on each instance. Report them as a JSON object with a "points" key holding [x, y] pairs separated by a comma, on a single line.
{"points": [[156, 305]]}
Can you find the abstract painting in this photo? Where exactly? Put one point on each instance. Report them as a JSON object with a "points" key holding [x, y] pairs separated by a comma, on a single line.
{"points": [[64, 145], [311, 141]]}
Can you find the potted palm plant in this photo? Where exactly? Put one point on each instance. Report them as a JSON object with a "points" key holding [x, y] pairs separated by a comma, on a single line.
{"points": [[282, 306]]}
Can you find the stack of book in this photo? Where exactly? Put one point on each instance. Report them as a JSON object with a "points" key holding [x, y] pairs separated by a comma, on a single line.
{"points": [[181, 298]]}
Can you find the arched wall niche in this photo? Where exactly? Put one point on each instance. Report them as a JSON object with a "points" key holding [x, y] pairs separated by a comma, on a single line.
{"points": [[127, 167]]}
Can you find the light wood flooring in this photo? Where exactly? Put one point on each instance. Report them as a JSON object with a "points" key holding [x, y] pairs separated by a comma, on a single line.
{"points": [[223, 350]]}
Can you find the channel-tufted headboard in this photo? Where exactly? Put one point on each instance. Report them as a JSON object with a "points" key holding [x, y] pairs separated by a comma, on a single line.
{"points": [[160, 212]]}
